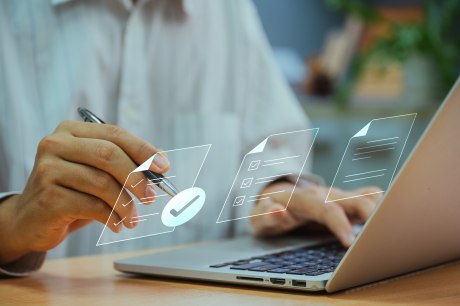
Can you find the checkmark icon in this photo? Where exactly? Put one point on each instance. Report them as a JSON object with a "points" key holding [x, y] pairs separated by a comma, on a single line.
{"points": [[176, 213], [183, 207], [116, 224], [254, 165], [246, 183], [133, 186], [126, 204], [239, 201]]}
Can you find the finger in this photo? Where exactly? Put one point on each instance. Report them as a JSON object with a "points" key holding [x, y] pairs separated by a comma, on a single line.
{"points": [[335, 219], [360, 208], [137, 149], [100, 184], [76, 205], [271, 218], [109, 158], [304, 205]]}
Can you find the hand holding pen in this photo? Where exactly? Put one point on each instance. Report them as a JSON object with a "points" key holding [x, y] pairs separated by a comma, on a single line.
{"points": [[78, 173], [157, 178]]}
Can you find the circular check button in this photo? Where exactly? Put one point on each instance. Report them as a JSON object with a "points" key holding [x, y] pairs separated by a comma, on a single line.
{"points": [[183, 207]]}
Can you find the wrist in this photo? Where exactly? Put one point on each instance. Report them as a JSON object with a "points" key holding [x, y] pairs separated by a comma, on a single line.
{"points": [[10, 238]]}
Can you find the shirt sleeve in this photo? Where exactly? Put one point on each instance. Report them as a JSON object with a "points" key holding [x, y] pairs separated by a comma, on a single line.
{"points": [[26, 264], [23, 266]]}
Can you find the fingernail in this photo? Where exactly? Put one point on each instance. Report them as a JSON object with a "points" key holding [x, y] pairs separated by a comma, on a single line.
{"points": [[117, 228], [350, 238], [161, 161], [150, 193], [132, 222]]}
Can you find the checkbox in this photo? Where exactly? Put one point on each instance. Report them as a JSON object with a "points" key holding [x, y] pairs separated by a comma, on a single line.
{"points": [[254, 165], [239, 201], [246, 183]]}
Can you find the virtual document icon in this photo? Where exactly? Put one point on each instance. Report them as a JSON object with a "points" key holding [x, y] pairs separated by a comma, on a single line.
{"points": [[268, 161], [372, 155], [158, 217]]}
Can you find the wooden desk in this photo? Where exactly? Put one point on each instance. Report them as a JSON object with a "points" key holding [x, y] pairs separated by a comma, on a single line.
{"points": [[91, 280]]}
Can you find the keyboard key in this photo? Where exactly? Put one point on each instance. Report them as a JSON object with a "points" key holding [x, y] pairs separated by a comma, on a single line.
{"points": [[295, 272], [279, 270], [286, 263], [274, 260], [315, 273], [239, 263], [295, 267], [220, 265], [265, 268], [248, 266]]}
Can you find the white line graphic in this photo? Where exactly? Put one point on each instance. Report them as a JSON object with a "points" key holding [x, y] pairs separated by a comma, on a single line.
{"points": [[116, 224], [366, 172], [373, 151], [282, 158], [134, 186], [267, 193], [363, 178], [308, 135], [391, 138], [142, 217], [402, 125]]}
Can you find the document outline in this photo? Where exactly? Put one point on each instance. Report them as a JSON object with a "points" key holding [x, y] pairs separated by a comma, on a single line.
{"points": [[258, 149], [139, 169], [359, 134]]}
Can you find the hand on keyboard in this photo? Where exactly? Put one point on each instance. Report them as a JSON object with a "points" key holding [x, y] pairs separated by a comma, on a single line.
{"points": [[308, 205]]}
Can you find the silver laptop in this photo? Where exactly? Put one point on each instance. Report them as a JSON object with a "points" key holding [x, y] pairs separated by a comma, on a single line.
{"points": [[416, 225]]}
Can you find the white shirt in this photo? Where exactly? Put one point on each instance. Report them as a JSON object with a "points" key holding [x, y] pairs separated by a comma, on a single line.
{"points": [[174, 73]]}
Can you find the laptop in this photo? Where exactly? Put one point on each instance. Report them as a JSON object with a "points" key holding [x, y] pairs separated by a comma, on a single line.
{"points": [[416, 225]]}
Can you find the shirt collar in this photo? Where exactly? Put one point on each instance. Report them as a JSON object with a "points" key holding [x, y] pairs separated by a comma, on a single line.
{"points": [[182, 6]]}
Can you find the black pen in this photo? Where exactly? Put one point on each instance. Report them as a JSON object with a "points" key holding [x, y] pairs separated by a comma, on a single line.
{"points": [[156, 178]]}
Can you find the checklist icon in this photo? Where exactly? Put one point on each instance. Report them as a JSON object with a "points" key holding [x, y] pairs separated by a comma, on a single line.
{"points": [[263, 164], [239, 201], [254, 165], [247, 182]]}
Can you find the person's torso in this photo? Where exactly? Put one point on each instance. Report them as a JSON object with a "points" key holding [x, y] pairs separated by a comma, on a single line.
{"points": [[166, 78]]}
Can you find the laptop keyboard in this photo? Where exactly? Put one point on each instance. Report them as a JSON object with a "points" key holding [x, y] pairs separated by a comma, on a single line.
{"points": [[309, 261]]}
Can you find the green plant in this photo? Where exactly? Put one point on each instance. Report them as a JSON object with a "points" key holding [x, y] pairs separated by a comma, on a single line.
{"points": [[436, 36]]}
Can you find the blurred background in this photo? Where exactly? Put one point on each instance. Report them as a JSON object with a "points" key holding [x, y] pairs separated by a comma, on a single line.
{"points": [[351, 61]]}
